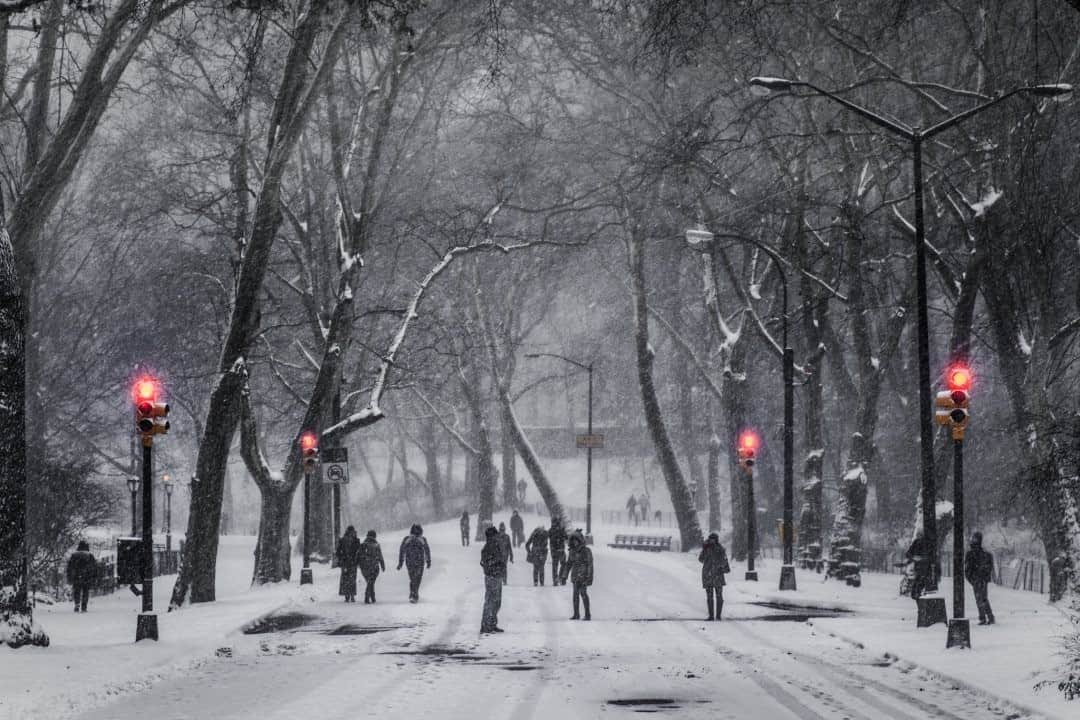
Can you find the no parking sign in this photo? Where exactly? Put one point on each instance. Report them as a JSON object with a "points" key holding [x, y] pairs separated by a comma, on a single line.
{"points": [[335, 466]]}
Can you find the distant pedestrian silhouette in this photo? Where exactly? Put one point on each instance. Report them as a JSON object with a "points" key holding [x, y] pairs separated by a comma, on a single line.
{"points": [[414, 554], [81, 573]]}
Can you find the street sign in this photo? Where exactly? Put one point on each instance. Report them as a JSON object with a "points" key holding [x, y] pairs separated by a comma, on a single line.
{"points": [[335, 462], [590, 441]]}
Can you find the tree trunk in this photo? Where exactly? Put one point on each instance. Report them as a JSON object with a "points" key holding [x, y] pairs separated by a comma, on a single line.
{"points": [[273, 547], [735, 416], [531, 460], [431, 460], [17, 625], [689, 529], [716, 449], [509, 461]]}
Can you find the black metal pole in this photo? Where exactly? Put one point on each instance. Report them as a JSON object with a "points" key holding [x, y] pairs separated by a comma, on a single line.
{"points": [[134, 511], [305, 572], [147, 531], [958, 528], [926, 430], [588, 465], [751, 525], [787, 572]]}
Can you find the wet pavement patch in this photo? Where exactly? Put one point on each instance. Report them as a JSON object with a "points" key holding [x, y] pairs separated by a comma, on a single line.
{"points": [[646, 705], [438, 651], [279, 622], [805, 609], [348, 629]]}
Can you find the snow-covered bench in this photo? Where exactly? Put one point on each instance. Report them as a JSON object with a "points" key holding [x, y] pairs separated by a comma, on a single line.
{"points": [[652, 543]]}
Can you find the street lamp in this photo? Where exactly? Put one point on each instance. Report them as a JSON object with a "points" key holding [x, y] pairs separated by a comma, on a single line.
{"points": [[589, 444], [917, 136], [702, 236], [133, 488]]}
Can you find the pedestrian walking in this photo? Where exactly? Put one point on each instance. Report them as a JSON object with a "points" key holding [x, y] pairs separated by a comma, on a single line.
{"points": [[507, 549], [521, 486], [517, 529], [631, 508], [536, 549], [643, 507], [464, 528], [714, 565], [493, 561], [579, 569], [371, 562], [348, 558], [557, 543], [81, 573], [414, 555], [921, 553], [979, 571]]}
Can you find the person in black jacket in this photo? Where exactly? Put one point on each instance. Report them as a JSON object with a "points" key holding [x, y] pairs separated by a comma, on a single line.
{"points": [[507, 549], [714, 565], [557, 543], [464, 528], [536, 548], [348, 556], [517, 529], [81, 573], [579, 568], [923, 554], [493, 560], [371, 562], [414, 554], [979, 571]]}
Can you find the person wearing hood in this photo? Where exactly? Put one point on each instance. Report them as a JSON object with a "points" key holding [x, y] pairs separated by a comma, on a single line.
{"points": [[464, 523], [348, 556], [507, 549], [979, 571], [579, 569], [714, 565], [371, 562], [536, 549], [517, 528], [493, 561], [81, 573], [414, 555], [557, 543]]}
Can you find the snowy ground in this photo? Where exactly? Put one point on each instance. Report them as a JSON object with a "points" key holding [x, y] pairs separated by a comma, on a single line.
{"points": [[647, 642]]}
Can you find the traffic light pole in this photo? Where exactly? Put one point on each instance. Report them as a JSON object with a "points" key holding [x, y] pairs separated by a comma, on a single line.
{"points": [[588, 470], [146, 627], [751, 526], [959, 628], [305, 572]]}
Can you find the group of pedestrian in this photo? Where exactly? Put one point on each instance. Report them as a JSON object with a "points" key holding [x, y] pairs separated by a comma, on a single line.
{"points": [[637, 508], [978, 570], [352, 554]]}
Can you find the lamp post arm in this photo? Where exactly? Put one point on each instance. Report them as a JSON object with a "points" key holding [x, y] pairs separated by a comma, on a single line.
{"points": [[894, 127], [583, 366], [961, 117]]}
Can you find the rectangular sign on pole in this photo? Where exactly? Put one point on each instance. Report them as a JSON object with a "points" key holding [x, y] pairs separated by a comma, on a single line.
{"points": [[590, 441], [335, 466]]}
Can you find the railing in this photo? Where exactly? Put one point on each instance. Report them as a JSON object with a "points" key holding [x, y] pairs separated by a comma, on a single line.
{"points": [[1031, 574]]}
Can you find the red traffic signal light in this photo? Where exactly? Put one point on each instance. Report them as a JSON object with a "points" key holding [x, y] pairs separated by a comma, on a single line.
{"points": [[149, 413], [309, 451], [959, 378], [953, 403], [747, 448]]}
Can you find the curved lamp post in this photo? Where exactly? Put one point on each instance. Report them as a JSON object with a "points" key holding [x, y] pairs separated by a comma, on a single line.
{"points": [[697, 236], [927, 614]]}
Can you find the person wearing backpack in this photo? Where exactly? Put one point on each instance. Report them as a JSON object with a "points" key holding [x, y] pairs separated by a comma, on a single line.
{"points": [[557, 543], [579, 569], [536, 550], [979, 571], [348, 556], [493, 561], [714, 565], [81, 573], [414, 555], [517, 529], [371, 561]]}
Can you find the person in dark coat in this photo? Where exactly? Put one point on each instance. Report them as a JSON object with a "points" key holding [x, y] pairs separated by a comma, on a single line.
{"points": [[536, 549], [348, 557], [464, 528], [414, 554], [507, 549], [517, 529], [493, 560], [81, 573], [631, 508], [922, 553], [579, 569], [979, 571], [371, 562], [557, 543], [714, 565]]}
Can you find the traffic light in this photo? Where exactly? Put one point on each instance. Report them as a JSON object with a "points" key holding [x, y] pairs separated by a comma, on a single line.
{"points": [[149, 413], [952, 404], [309, 451], [747, 448]]}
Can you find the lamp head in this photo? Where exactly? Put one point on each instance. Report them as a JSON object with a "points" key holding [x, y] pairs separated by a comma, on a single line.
{"points": [[1054, 90], [771, 84], [698, 235]]}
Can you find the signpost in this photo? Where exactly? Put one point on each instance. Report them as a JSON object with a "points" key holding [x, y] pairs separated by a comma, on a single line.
{"points": [[590, 441]]}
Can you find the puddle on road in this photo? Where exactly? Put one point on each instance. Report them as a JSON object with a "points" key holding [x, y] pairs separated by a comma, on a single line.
{"points": [[440, 654], [362, 629], [820, 611], [278, 623], [302, 622], [652, 705]]}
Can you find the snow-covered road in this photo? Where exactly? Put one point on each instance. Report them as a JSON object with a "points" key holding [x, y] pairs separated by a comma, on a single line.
{"points": [[647, 649]]}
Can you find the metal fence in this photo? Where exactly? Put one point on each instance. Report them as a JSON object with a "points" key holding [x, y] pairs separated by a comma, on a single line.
{"points": [[1018, 573]]}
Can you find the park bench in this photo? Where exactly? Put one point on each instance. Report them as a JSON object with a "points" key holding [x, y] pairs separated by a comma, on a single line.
{"points": [[652, 543]]}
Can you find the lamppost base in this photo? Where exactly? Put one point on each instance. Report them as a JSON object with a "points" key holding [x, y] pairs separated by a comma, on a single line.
{"points": [[959, 633], [146, 627], [787, 577], [305, 576], [931, 610], [751, 575]]}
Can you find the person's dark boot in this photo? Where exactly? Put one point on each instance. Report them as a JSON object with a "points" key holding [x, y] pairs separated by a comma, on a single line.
{"points": [[709, 602], [989, 619]]}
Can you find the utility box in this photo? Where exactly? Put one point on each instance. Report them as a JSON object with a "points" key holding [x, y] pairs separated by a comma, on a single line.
{"points": [[129, 561]]}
